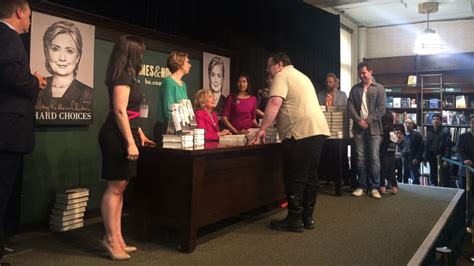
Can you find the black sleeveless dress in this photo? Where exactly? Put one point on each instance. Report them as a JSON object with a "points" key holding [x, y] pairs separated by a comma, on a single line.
{"points": [[115, 165]]}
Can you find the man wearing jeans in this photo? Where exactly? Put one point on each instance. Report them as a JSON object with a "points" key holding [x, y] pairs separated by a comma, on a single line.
{"points": [[366, 106]]}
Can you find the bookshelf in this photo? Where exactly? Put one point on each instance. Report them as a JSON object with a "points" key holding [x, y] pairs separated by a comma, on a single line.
{"points": [[437, 83]]}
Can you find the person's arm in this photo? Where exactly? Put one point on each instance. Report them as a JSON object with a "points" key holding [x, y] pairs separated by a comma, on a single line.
{"points": [[168, 98], [254, 112], [15, 75], [380, 107], [209, 132], [120, 99], [260, 113], [144, 141], [226, 115], [462, 147], [271, 111], [418, 140], [351, 107], [448, 144]]}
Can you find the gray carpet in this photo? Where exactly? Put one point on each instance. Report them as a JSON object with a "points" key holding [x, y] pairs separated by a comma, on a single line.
{"points": [[349, 231]]}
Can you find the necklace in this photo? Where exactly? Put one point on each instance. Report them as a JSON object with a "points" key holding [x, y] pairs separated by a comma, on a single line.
{"points": [[54, 85]]}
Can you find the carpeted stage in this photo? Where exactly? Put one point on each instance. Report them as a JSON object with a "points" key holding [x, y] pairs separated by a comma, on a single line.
{"points": [[396, 230]]}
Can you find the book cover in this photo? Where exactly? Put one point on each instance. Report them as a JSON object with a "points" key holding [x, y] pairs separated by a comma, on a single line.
{"points": [[67, 207], [73, 193], [397, 102], [389, 103], [411, 80], [449, 101], [65, 223], [405, 102], [69, 212], [461, 101], [434, 103], [413, 103], [72, 201], [67, 217], [66, 228]]}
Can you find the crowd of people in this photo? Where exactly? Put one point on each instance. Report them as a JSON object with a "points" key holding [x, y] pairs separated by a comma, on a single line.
{"points": [[290, 100]]}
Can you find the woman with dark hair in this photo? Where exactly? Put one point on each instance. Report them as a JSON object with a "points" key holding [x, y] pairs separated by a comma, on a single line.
{"points": [[119, 137], [216, 72], [173, 89], [239, 112], [62, 43]]}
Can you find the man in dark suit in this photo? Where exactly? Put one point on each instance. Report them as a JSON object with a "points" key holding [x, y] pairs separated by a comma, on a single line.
{"points": [[366, 106], [18, 92]]}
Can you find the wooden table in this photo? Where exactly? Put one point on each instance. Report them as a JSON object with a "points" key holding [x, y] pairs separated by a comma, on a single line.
{"points": [[189, 189]]}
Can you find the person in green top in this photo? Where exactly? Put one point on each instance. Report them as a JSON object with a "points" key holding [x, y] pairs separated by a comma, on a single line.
{"points": [[173, 89]]}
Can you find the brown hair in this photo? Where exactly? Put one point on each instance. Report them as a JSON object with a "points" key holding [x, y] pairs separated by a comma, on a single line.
{"points": [[8, 7], [176, 60]]}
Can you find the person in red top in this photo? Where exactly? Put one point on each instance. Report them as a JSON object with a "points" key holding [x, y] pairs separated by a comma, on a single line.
{"points": [[206, 118], [240, 108]]}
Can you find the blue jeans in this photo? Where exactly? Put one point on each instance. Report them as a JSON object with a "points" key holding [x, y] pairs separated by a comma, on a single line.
{"points": [[368, 159]]}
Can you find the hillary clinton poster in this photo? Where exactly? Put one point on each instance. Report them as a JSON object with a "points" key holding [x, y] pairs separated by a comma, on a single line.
{"points": [[63, 51]]}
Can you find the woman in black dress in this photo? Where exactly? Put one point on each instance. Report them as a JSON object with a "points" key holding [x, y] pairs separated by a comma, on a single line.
{"points": [[119, 137]]}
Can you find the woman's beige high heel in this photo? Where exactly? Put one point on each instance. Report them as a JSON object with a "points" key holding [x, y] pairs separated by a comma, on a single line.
{"points": [[130, 249], [113, 256]]}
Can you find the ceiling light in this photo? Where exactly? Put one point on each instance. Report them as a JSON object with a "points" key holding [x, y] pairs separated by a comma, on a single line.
{"points": [[428, 41]]}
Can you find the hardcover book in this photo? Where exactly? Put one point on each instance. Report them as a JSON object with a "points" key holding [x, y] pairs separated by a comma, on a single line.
{"points": [[67, 207], [461, 101], [68, 212], [73, 193], [66, 228]]}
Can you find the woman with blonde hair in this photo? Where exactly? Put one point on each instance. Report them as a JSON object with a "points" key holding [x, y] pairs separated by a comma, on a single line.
{"points": [[206, 118]]}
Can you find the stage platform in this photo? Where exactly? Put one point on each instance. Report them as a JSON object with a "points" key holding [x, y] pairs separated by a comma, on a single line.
{"points": [[396, 230]]}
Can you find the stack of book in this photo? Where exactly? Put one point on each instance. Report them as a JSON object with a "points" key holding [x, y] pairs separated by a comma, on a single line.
{"points": [[178, 141], [199, 138], [236, 139], [68, 211], [271, 135], [338, 122]]}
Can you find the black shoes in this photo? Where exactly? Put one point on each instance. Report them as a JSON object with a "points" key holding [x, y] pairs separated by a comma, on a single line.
{"points": [[293, 221]]}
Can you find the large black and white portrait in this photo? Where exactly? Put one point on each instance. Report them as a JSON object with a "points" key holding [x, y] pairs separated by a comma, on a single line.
{"points": [[216, 72], [65, 50]]}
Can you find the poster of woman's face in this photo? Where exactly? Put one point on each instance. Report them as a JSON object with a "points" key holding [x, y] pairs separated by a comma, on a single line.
{"points": [[63, 51], [216, 71]]}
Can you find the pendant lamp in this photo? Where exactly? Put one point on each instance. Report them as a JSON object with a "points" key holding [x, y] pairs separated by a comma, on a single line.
{"points": [[428, 41]]}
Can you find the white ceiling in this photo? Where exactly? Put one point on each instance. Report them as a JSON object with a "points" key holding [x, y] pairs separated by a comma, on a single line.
{"points": [[377, 13]]}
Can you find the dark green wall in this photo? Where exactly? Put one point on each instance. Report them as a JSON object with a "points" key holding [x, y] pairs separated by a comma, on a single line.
{"points": [[70, 156]]}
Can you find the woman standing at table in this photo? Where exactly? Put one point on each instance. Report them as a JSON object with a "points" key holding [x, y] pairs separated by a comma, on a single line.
{"points": [[239, 112], [119, 137], [206, 118], [173, 89]]}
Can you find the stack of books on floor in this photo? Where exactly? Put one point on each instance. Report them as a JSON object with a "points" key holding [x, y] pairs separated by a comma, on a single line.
{"points": [[68, 211], [178, 141], [199, 138]]}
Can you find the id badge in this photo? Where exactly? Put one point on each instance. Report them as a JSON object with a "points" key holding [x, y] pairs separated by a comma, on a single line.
{"points": [[144, 111]]}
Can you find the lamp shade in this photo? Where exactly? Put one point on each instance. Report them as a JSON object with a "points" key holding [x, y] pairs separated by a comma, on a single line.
{"points": [[428, 42]]}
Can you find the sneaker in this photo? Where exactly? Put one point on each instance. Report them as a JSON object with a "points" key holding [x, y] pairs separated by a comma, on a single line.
{"points": [[375, 194], [358, 192]]}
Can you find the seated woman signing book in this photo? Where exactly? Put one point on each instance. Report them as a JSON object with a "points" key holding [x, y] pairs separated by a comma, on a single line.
{"points": [[206, 118]]}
